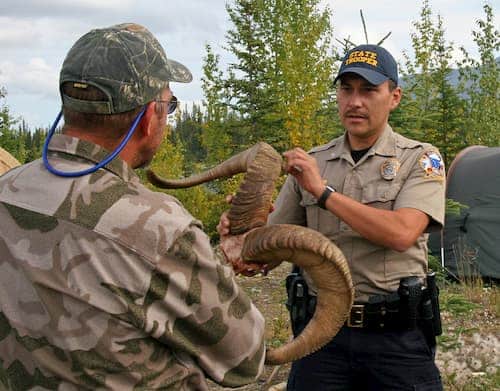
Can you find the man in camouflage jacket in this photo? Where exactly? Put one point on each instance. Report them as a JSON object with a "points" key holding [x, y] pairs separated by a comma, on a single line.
{"points": [[105, 284]]}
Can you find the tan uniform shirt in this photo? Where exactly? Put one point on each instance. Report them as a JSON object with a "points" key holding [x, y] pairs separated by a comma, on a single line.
{"points": [[105, 284], [395, 173]]}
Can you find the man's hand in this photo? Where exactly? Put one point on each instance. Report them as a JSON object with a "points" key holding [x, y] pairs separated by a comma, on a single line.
{"points": [[305, 169], [223, 226], [231, 246]]}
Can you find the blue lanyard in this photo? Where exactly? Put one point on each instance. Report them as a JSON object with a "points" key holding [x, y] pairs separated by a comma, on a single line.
{"points": [[99, 165]]}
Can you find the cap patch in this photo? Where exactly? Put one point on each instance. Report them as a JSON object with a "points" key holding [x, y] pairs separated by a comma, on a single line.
{"points": [[432, 164], [363, 56]]}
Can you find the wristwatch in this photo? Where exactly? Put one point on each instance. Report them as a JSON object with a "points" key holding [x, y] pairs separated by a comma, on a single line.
{"points": [[326, 193]]}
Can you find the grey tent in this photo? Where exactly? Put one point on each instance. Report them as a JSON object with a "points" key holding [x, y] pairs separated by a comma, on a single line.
{"points": [[7, 161], [470, 242]]}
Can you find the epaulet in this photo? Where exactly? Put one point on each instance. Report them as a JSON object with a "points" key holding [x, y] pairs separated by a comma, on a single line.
{"points": [[324, 147], [408, 143]]}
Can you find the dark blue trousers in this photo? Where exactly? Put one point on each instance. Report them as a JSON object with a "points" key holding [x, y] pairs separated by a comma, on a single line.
{"points": [[371, 360]]}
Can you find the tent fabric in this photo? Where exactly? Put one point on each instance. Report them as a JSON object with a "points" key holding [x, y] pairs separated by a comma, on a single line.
{"points": [[7, 161], [471, 240]]}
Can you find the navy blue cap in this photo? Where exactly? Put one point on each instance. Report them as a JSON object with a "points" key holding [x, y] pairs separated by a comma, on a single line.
{"points": [[372, 62]]}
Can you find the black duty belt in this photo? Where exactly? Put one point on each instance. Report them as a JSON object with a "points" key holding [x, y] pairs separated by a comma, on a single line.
{"points": [[412, 305], [382, 313], [361, 317], [365, 316]]}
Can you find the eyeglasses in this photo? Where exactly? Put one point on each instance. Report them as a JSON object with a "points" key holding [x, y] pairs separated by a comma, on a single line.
{"points": [[171, 104]]}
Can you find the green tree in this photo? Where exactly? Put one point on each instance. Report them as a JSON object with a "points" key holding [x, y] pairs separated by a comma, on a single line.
{"points": [[217, 136], [16, 136], [480, 82], [200, 201], [280, 81], [34, 143], [431, 109], [247, 84], [221, 131], [278, 86], [304, 62], [9, 137], [188, 131]]}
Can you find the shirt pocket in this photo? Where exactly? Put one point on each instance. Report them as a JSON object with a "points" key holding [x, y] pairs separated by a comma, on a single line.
{"points": [[319, 219], [380, 195]]}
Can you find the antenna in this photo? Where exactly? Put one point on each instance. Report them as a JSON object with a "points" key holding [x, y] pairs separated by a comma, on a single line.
{"points": [[383, 39], [346, 42], [364, 26]]}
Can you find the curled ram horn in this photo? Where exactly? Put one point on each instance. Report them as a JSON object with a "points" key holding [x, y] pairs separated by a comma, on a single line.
{"points": [[317, 255], [7, 161], [250, 206]]}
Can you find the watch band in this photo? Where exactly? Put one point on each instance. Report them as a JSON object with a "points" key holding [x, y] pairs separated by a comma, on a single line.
{"points": [[326, 193]]}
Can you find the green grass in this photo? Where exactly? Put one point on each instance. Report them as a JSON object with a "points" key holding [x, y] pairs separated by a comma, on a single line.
{"points": [[469, 348], [456, 303]]}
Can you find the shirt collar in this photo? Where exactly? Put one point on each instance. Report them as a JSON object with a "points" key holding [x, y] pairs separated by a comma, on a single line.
{"points": [[92, 152], [341, 149], [384, 146]]}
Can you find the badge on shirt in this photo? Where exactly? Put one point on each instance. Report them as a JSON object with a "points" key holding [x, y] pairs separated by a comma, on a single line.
{"points": [[389, 169], [432, 164]]}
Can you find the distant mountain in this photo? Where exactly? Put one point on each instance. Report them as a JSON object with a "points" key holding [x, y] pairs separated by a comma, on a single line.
{"points": [[453, 77]]}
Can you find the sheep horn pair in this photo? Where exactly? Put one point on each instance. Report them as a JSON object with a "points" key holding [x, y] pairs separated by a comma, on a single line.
{"points": [[307, 248]]}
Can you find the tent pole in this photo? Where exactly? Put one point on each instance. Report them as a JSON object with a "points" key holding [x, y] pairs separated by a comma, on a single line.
{"points": [[442, 248]]}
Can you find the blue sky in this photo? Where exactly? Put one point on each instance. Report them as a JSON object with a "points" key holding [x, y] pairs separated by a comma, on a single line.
{"points": [[36, 34]]}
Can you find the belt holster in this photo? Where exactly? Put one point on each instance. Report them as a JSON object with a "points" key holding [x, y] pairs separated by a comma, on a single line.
{"points": [[300, 304], [430, 314]]}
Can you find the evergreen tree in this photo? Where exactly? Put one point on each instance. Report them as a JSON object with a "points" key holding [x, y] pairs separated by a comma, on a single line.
{"points": [[249, 91], [188, 131], [34, 143], [16, 137], [10, 139], [277, 88], [217, 136], [431, 107], [480, 82]]}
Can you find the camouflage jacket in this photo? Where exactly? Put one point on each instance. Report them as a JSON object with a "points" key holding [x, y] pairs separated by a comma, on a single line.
{"points": [[105, 284]]}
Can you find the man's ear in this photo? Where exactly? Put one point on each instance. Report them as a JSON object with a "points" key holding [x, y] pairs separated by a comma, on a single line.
{"points": [[145, 125], [397, 93]]}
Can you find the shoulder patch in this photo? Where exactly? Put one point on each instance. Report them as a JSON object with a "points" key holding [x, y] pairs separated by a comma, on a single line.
{"points": [[432, 164]]}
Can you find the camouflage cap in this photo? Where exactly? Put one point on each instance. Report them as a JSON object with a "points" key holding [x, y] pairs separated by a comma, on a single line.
{"points": [[124, 61]]}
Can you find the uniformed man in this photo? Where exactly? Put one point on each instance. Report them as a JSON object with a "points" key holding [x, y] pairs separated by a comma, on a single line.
{"points": [[375, 193], [105, 284]]}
